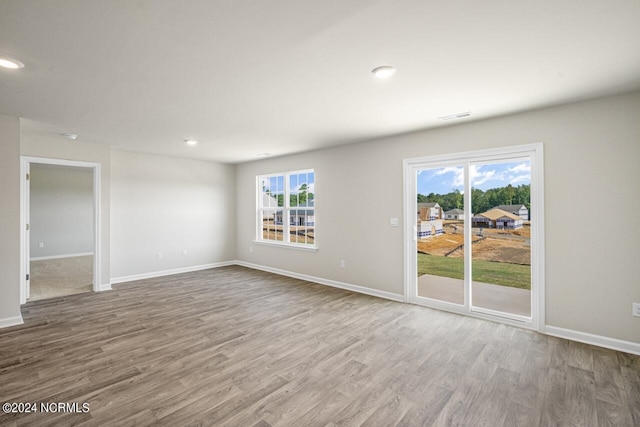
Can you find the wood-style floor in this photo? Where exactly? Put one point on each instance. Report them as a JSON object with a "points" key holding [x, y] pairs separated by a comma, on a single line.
{"points": [[239, 347]]}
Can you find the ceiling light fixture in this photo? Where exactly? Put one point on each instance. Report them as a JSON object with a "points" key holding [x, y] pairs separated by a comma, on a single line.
{"points": [[191, 141], [456, 116], [383, 71], [70, 135], [263, 155], [7, 62]]}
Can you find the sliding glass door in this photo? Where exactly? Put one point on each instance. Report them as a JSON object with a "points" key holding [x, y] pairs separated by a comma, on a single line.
{"points": [[474, 236], [440, 237], [501, 229]]}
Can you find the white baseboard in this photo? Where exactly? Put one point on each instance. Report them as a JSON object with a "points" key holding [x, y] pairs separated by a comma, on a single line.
{"points": [[11, 321], [327, 282], [152, 274], [104, 287], [42, 258], [598, 340]]}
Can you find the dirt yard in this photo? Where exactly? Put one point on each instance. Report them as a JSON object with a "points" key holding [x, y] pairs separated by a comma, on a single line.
{"points": [[498, 245]]}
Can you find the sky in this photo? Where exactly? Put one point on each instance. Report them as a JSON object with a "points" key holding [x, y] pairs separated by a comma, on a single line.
{"points": [[483, 176], [275, 184]]}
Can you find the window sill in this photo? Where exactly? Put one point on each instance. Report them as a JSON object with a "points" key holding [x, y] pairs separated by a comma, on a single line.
{"points": [[287, 245]]}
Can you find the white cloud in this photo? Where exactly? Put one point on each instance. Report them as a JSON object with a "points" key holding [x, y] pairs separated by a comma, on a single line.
{"points": [[479, 177], [458, 175], [520, 178], [522, 167]]}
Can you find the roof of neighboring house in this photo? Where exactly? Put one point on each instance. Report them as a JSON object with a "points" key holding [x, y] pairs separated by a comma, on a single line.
{"points": [[455, 212], [495, 213], [510, 207], [427, 205]]}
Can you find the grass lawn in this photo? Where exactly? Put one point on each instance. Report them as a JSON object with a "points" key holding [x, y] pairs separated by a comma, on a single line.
{"points": [[497, 273]]}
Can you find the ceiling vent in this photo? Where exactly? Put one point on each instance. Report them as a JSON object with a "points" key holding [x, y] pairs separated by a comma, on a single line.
{"points": [[456, 116]]}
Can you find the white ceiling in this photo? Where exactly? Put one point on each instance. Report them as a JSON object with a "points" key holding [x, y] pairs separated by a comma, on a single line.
{"points": [[249, 77]]}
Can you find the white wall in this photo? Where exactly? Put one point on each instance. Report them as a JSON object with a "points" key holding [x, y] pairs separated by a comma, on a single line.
{"points": [[61, 210], [62, 148], [164, 204], [9, 221], [592, 151]]}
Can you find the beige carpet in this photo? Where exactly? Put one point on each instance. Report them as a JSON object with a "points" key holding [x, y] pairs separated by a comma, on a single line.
{"points": [[62, 276]]}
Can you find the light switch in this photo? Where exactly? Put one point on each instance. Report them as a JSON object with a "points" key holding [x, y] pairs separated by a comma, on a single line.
{"points": [[393, 222]]}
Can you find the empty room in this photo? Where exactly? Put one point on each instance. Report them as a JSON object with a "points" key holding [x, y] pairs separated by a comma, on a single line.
{"points": [[303, 213]]}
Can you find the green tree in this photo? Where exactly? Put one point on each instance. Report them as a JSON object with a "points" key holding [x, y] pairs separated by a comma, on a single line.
{"points": [[481, 201], [478, 201], [523, 195], [299, 199], [508, 195], [453, 200]]}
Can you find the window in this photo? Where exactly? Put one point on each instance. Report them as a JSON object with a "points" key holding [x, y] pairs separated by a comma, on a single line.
{"points": [[286, 208]]}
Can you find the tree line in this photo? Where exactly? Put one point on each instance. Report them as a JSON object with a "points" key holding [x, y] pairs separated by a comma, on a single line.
{"points": [[302, 198], [482, 201]]}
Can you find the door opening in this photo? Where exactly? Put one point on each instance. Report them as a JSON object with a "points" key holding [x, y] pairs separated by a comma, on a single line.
{"points": [[60, 212]]}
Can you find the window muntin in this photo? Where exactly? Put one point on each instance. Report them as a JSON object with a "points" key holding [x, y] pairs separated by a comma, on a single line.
{"points": [[286, 208]]}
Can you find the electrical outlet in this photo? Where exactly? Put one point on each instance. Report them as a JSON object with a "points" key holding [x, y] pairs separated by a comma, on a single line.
{"points": [[41, 245], [635, 309], [159, 255], [185, 252], [342, 264], [250, 249]]}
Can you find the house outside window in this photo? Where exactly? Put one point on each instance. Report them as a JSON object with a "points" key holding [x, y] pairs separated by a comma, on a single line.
{"points": [[286, 208]]}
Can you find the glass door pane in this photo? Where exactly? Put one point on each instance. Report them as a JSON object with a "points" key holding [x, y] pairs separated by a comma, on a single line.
{"points": [[440, 233], [501, 229]]}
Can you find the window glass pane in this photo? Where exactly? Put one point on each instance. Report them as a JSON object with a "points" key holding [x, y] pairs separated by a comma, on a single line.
{"points": [[293, 190], [270, 199], [440, 232], [311, 190], [301, 226], [280, 190], [310, 230], [501, 258], [270, 230], [303, 189]]}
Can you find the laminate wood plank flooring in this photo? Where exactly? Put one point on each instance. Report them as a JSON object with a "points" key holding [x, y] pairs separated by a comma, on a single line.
{"points": [[238, 347]]}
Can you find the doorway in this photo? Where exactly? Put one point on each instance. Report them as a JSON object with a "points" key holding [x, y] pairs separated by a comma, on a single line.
{"points": [[60, 207], [473, 240]]}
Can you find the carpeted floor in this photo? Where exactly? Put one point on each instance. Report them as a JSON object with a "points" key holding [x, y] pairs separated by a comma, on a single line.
{"points": [[62, 276]]}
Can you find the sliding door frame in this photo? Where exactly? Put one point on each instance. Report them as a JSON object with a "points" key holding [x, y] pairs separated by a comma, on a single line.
{"points": [[410, 166]]}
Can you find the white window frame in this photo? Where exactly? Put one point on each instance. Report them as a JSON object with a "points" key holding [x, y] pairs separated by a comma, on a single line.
{"points": [[410, 166], [286, 213]]}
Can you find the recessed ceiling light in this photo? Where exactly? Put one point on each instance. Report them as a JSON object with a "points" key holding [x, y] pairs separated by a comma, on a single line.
{"points": [[7, 62], [69, 135], [191, 141], [383, 71], [456, 116]]}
